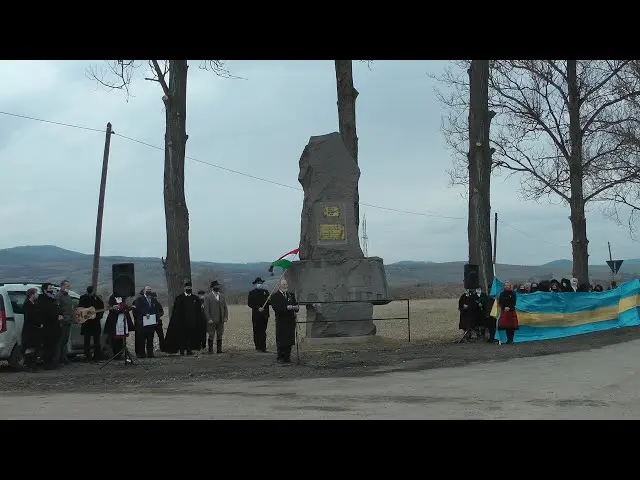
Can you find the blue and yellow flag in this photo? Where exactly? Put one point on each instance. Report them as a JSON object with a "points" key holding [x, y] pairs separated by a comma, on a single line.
{"points": [[545, 315]]}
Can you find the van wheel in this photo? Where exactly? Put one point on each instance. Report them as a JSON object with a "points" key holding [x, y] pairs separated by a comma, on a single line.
{"points": [[16, 360]]}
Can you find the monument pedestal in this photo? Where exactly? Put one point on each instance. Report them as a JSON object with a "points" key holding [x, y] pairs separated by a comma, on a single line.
{"points": [[350, 287]]}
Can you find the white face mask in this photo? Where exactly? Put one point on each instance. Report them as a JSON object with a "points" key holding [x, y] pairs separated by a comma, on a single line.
{"points": [[258, 285], [478, 292]]}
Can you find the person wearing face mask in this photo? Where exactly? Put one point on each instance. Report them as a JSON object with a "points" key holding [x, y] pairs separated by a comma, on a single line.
{"points": [[92, 329], [202, 329], [32, 332], [508, 320], [285, 306], [118, 325], [216, 313], [51, 329], [258, 301], [65, 306], [182, 333], [146, 305]]}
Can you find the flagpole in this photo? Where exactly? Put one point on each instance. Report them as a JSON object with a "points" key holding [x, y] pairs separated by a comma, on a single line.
{"points": [[274, 289]]}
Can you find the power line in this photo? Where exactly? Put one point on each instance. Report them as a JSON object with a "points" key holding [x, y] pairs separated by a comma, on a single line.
{"points": [[53, 123], [528, 235], [236, 172], [229, 170]]}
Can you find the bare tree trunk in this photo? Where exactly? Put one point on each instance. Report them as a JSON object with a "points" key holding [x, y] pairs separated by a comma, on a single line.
{"points": [[347, 95], [479, 223], [579, 243], [178, 261]]}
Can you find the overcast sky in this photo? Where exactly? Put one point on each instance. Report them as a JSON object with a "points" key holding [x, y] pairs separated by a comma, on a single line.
{"points": [[51, 174]]}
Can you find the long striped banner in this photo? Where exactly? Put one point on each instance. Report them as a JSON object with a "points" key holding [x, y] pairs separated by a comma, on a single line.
{"points": [[545, 315]]}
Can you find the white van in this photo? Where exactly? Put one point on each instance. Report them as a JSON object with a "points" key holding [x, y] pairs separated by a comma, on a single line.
{"points": [[12, 297]]}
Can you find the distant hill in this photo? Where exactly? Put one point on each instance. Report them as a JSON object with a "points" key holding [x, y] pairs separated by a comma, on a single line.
{"points": [[50, 263]]}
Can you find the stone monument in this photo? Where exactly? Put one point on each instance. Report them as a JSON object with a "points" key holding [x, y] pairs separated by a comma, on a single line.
{"points": [[332, 267]]}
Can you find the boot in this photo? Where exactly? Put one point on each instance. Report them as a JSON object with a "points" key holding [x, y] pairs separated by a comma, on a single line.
{"points": [[210, 342], [218, 345], [30, 362]]}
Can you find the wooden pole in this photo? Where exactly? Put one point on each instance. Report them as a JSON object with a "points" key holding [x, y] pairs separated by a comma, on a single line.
{"points": [[495, 241], [611, 259], [274, 289], [103, 186]]}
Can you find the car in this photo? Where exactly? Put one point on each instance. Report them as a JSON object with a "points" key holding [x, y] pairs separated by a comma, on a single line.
{"points": [[12, 297]]}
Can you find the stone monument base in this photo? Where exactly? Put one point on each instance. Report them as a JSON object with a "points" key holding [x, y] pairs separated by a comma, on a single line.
{"points": [[349, 287], [339, 340]]}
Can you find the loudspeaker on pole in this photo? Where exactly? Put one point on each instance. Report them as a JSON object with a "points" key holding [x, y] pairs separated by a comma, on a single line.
{"points": [[123, 279], [471, 276]]}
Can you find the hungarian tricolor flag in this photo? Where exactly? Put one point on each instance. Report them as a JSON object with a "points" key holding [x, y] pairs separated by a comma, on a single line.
{"points": [[285, 260]]}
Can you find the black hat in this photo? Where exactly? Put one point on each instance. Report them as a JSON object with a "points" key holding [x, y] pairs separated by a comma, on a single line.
{"points": [[258, 280], [187, 283], [90, 289], [201, 292], [214, 284]]}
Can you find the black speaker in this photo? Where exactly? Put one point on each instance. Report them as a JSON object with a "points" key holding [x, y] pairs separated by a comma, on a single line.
{"points": [[123, 279], [471, 276]]}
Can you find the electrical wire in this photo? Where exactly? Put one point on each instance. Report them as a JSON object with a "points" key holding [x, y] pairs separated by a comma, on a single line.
{"points": [[528, 235], [261, 179]]}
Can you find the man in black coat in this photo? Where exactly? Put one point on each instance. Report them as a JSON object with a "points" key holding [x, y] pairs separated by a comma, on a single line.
{"points": [[31, 330], [49, 311], [258, 301], [92, 328], [146, 306], [285, 306], [184, 332]]}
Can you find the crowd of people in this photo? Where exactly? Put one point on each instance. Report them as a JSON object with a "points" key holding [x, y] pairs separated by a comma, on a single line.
{"points": [[196, 322], [475, 306]]}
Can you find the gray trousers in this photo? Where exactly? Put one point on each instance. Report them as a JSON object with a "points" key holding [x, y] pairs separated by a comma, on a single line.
{"points": [[64, 340]]}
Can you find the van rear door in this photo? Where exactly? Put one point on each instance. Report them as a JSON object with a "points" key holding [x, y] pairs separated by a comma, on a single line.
{"points": [[17, 299], [7, 328]]}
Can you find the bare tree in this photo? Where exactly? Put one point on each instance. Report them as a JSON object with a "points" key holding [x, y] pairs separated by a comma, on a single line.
{"points": [[171, 75], [347, 95], [479, 171], [563, 125]]}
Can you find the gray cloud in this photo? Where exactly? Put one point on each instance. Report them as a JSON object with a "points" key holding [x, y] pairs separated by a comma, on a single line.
{"points": [[259, 126]]}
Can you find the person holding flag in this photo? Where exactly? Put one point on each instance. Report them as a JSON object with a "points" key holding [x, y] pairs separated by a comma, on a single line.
{"points": [[285, 306]]}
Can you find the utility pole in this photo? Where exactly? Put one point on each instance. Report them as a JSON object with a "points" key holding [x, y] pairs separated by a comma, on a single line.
{"points": [[103, 186], [611, 267], [495, 241]]}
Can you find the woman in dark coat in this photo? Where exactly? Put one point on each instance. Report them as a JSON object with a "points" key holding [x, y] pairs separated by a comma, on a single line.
{"points": [[117, 307], [467, 306], [508, 320], [32, 331]]}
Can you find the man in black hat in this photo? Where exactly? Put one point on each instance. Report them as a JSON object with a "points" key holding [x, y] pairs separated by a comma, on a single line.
{"points": [[216, 314], [92, 327], [258, 301], [182, 332]]}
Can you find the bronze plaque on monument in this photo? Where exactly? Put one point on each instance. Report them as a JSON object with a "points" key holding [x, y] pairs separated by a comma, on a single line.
{"points": [[331, 232], [331, 211], [331, 225]]}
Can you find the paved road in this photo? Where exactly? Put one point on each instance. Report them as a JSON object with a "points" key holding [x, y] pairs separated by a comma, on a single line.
{"points": [[595, 384]]}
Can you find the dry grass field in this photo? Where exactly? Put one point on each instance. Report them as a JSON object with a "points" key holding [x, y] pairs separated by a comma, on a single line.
{"points": [[432, 321]]}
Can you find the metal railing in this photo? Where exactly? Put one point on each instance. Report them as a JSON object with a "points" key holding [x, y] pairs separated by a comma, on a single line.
{"points": [[373, 302]]}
